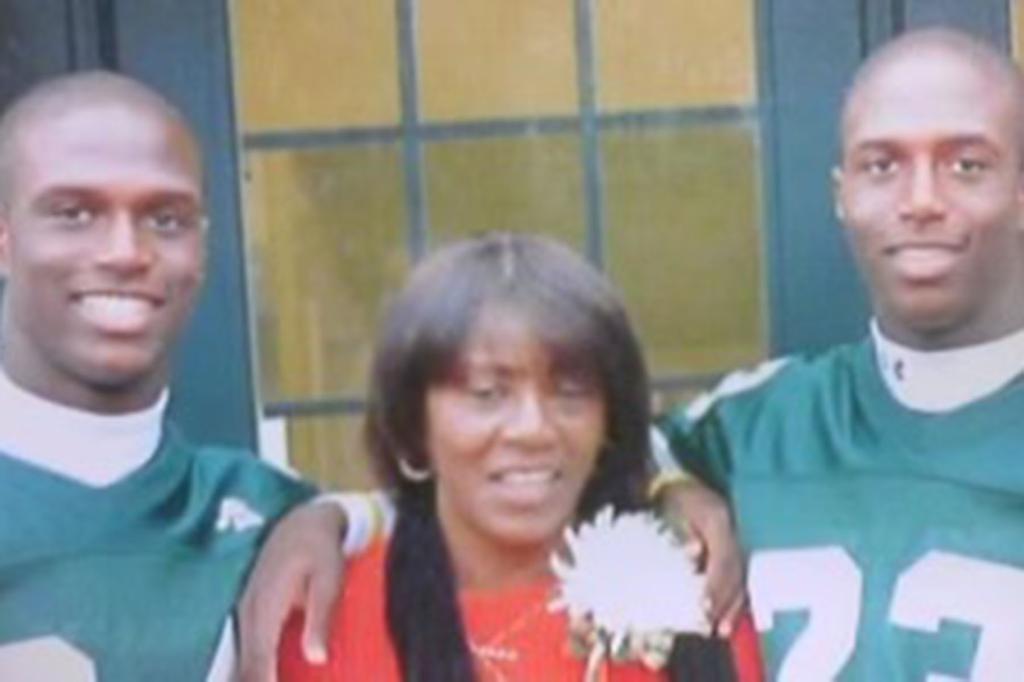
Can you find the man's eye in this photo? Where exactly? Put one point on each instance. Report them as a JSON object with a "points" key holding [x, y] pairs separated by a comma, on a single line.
{"points": [[968, 166], [878, 167], [73, 215], [170, 222]]}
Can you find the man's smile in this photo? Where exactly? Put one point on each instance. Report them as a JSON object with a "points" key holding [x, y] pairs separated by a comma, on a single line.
{"points": [[120, 313]]}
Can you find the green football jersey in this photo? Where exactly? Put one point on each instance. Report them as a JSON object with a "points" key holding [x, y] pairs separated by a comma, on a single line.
{"points": [[135, 581], [884, 544]]}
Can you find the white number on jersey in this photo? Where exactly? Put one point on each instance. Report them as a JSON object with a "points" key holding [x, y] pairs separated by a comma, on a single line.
{"points": [[45, 658], [827, 584], [942, 586]]}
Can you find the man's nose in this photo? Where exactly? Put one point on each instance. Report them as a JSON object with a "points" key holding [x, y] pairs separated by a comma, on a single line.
{"points": [[922, 202], [126, 246]]}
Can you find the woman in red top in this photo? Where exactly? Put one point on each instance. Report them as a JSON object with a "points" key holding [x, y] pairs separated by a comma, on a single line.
{"points": [[508, 401]]}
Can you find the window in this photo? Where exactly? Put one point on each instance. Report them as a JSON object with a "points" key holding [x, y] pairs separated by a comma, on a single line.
{"points": [[373, 130]]}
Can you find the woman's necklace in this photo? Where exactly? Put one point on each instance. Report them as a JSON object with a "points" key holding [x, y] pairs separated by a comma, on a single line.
{"points": [[497, 650]]}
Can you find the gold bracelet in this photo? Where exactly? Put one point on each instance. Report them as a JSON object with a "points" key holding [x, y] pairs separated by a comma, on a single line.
{"points": [[376, 517], [664, 479]]}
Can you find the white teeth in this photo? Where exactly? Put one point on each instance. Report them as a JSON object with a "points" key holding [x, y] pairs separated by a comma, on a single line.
{"points": [[925, 262], [527, 477], [115, 312]]}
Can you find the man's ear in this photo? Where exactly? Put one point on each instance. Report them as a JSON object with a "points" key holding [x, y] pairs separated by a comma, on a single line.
{"points": [[837, 194], [1020, 199], [5, 241]]}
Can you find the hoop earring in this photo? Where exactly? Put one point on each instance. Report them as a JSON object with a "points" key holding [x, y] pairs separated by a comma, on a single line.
{"points": [[412, 473]]}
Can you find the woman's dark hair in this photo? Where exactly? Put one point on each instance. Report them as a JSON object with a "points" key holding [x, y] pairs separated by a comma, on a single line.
{"points": [[577, 315]]}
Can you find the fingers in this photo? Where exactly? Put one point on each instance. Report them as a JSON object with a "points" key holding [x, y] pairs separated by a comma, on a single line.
{"points": [[324, 588], [694, 545], [729, 621], [299, 566], [262, 614], [706, 523], [725, 580]]}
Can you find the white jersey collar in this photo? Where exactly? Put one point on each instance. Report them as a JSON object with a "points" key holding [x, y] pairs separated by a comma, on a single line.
{"points": [[93, 449], [945, 380]]}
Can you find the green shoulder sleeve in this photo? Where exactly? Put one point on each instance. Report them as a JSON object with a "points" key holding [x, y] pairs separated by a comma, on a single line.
{"points": [[695, 435]]}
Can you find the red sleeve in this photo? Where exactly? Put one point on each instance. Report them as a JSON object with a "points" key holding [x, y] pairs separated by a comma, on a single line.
{"points": [[746, 651], [291, 664]]}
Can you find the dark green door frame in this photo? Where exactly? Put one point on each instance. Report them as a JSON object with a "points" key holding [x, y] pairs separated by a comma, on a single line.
{"points": [[806, 50], [182, 47]]}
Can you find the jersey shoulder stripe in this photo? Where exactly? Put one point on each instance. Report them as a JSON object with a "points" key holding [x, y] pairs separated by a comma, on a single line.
{"points": [[732, 384]]}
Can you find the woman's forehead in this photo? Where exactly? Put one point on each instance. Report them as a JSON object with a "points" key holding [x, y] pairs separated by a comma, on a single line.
{"points": [[511, 337]]}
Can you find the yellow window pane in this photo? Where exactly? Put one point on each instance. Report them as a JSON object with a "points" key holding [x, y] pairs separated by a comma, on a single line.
{"points": [[667, 53], [496, 59], [330, 451], [318, 63], [326, 230], [684, 244], [529, 183]]}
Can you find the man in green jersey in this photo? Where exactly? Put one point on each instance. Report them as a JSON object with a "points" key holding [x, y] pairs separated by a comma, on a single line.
{"points": [[123, 547], [879, 487]]}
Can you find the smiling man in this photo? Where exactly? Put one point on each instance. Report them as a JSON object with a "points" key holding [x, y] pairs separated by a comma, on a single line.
{"points": [[930, 190], [879, 487], [103, 243], [122, 546]]}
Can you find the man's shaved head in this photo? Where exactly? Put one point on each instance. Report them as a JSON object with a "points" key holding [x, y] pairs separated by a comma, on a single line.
{"points": [[942, 43], [930, 188], [102, 240], [74, 91]]}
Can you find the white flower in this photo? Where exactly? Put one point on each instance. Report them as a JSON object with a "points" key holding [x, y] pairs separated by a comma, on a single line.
{"points": [[629, 577]]}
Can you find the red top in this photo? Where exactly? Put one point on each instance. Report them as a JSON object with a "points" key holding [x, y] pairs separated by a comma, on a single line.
{"points": [[513, 634]]}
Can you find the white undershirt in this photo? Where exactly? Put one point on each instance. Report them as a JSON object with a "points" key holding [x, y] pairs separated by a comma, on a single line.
{"points": [[93, 449], [945, 380]]}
